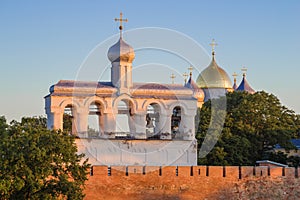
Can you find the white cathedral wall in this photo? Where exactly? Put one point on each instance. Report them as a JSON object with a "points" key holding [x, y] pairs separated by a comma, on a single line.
{"points": [[214, 93]]}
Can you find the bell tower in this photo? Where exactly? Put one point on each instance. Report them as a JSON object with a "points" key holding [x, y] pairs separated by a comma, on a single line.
{"points": [[121, 56]]}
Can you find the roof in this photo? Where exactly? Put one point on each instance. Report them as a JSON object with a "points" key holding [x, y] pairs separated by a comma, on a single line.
{"points": [[158, 86], [80, 84], [71, 87], [245, 86], [121, 51], [295, 142], [271, 162], [106, 89], [161, 91], [191, 84], [234, 86], [214, 77], [87, 84], [197, 92], [94, 84]]}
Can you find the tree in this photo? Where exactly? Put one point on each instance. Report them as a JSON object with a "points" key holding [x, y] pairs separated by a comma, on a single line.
{"points": [[37, 163], [3, 124], [294, 161], [254, 123]]}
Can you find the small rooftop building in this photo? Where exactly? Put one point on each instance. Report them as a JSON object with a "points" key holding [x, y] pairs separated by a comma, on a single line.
{"points": [[268, 163]]}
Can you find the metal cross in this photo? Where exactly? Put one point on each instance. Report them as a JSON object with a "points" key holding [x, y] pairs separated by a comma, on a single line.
{"points": [[234, 76], [121, 20], [244, 70], [172, 77], [213, 44], [185, 75], [191, 68]]}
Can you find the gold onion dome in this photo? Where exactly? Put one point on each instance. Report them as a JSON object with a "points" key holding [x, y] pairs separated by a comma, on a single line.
{"points": [[214, 77], [121, 51]]}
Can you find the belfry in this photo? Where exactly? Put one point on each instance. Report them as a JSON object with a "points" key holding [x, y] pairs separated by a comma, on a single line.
{"points": [[159, 118]]}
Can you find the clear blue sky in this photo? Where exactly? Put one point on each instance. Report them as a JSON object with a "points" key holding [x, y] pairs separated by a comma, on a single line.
{"points": [[42, 42]]}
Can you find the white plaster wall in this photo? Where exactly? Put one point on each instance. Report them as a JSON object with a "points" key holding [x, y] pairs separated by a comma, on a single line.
{"points": [[139, 152]]}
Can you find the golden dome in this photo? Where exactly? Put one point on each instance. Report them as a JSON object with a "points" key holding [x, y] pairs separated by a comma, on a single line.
{"points": [[214, 77], [121, 51]]}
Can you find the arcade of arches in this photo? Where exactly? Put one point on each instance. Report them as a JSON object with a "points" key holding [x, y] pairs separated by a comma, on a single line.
{"points": [[123, 117]]}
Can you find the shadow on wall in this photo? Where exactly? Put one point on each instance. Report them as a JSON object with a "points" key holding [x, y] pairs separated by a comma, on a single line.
{"points": [[261, 188]]}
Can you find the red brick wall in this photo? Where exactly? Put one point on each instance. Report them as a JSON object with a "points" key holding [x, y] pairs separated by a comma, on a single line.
{"points": [[173, 182]]}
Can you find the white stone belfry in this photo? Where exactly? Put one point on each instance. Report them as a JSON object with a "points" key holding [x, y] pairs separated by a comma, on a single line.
{"points": [[160, 118]]}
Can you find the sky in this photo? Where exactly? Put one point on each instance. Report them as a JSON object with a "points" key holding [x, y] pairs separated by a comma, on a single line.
{"points": [[42, 42]]}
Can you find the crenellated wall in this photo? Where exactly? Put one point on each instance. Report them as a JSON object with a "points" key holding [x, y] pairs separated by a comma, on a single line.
{"points": [[183, 182]]}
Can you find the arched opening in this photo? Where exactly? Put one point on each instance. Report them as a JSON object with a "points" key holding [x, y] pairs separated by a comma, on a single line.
{"points": [[95, 120], [175, 121], [69, 125], [152, 119], [124, 120]]}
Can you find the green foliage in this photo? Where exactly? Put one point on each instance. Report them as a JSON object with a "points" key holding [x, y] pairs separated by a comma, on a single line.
{"points": [[3, 125], [254, 123], [294, 161], [37, 163]]}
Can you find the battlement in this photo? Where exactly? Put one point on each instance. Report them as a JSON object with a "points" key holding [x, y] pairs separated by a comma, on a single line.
{"points": [[230, 172], [186, 182]]}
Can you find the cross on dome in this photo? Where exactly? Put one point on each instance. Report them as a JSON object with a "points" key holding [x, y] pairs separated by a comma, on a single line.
{"points": [[234, 80], [235, 75], [185, 75], [191, 68], [172, 77], [121, 20], [244, 70], [213, 44]]}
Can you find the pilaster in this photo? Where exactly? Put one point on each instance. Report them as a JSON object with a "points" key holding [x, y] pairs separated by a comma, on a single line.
{"points": [[165, 119], [140, 125]]}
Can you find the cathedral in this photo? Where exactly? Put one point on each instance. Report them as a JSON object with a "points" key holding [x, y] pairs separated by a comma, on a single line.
{"points": [[160, 117]]}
